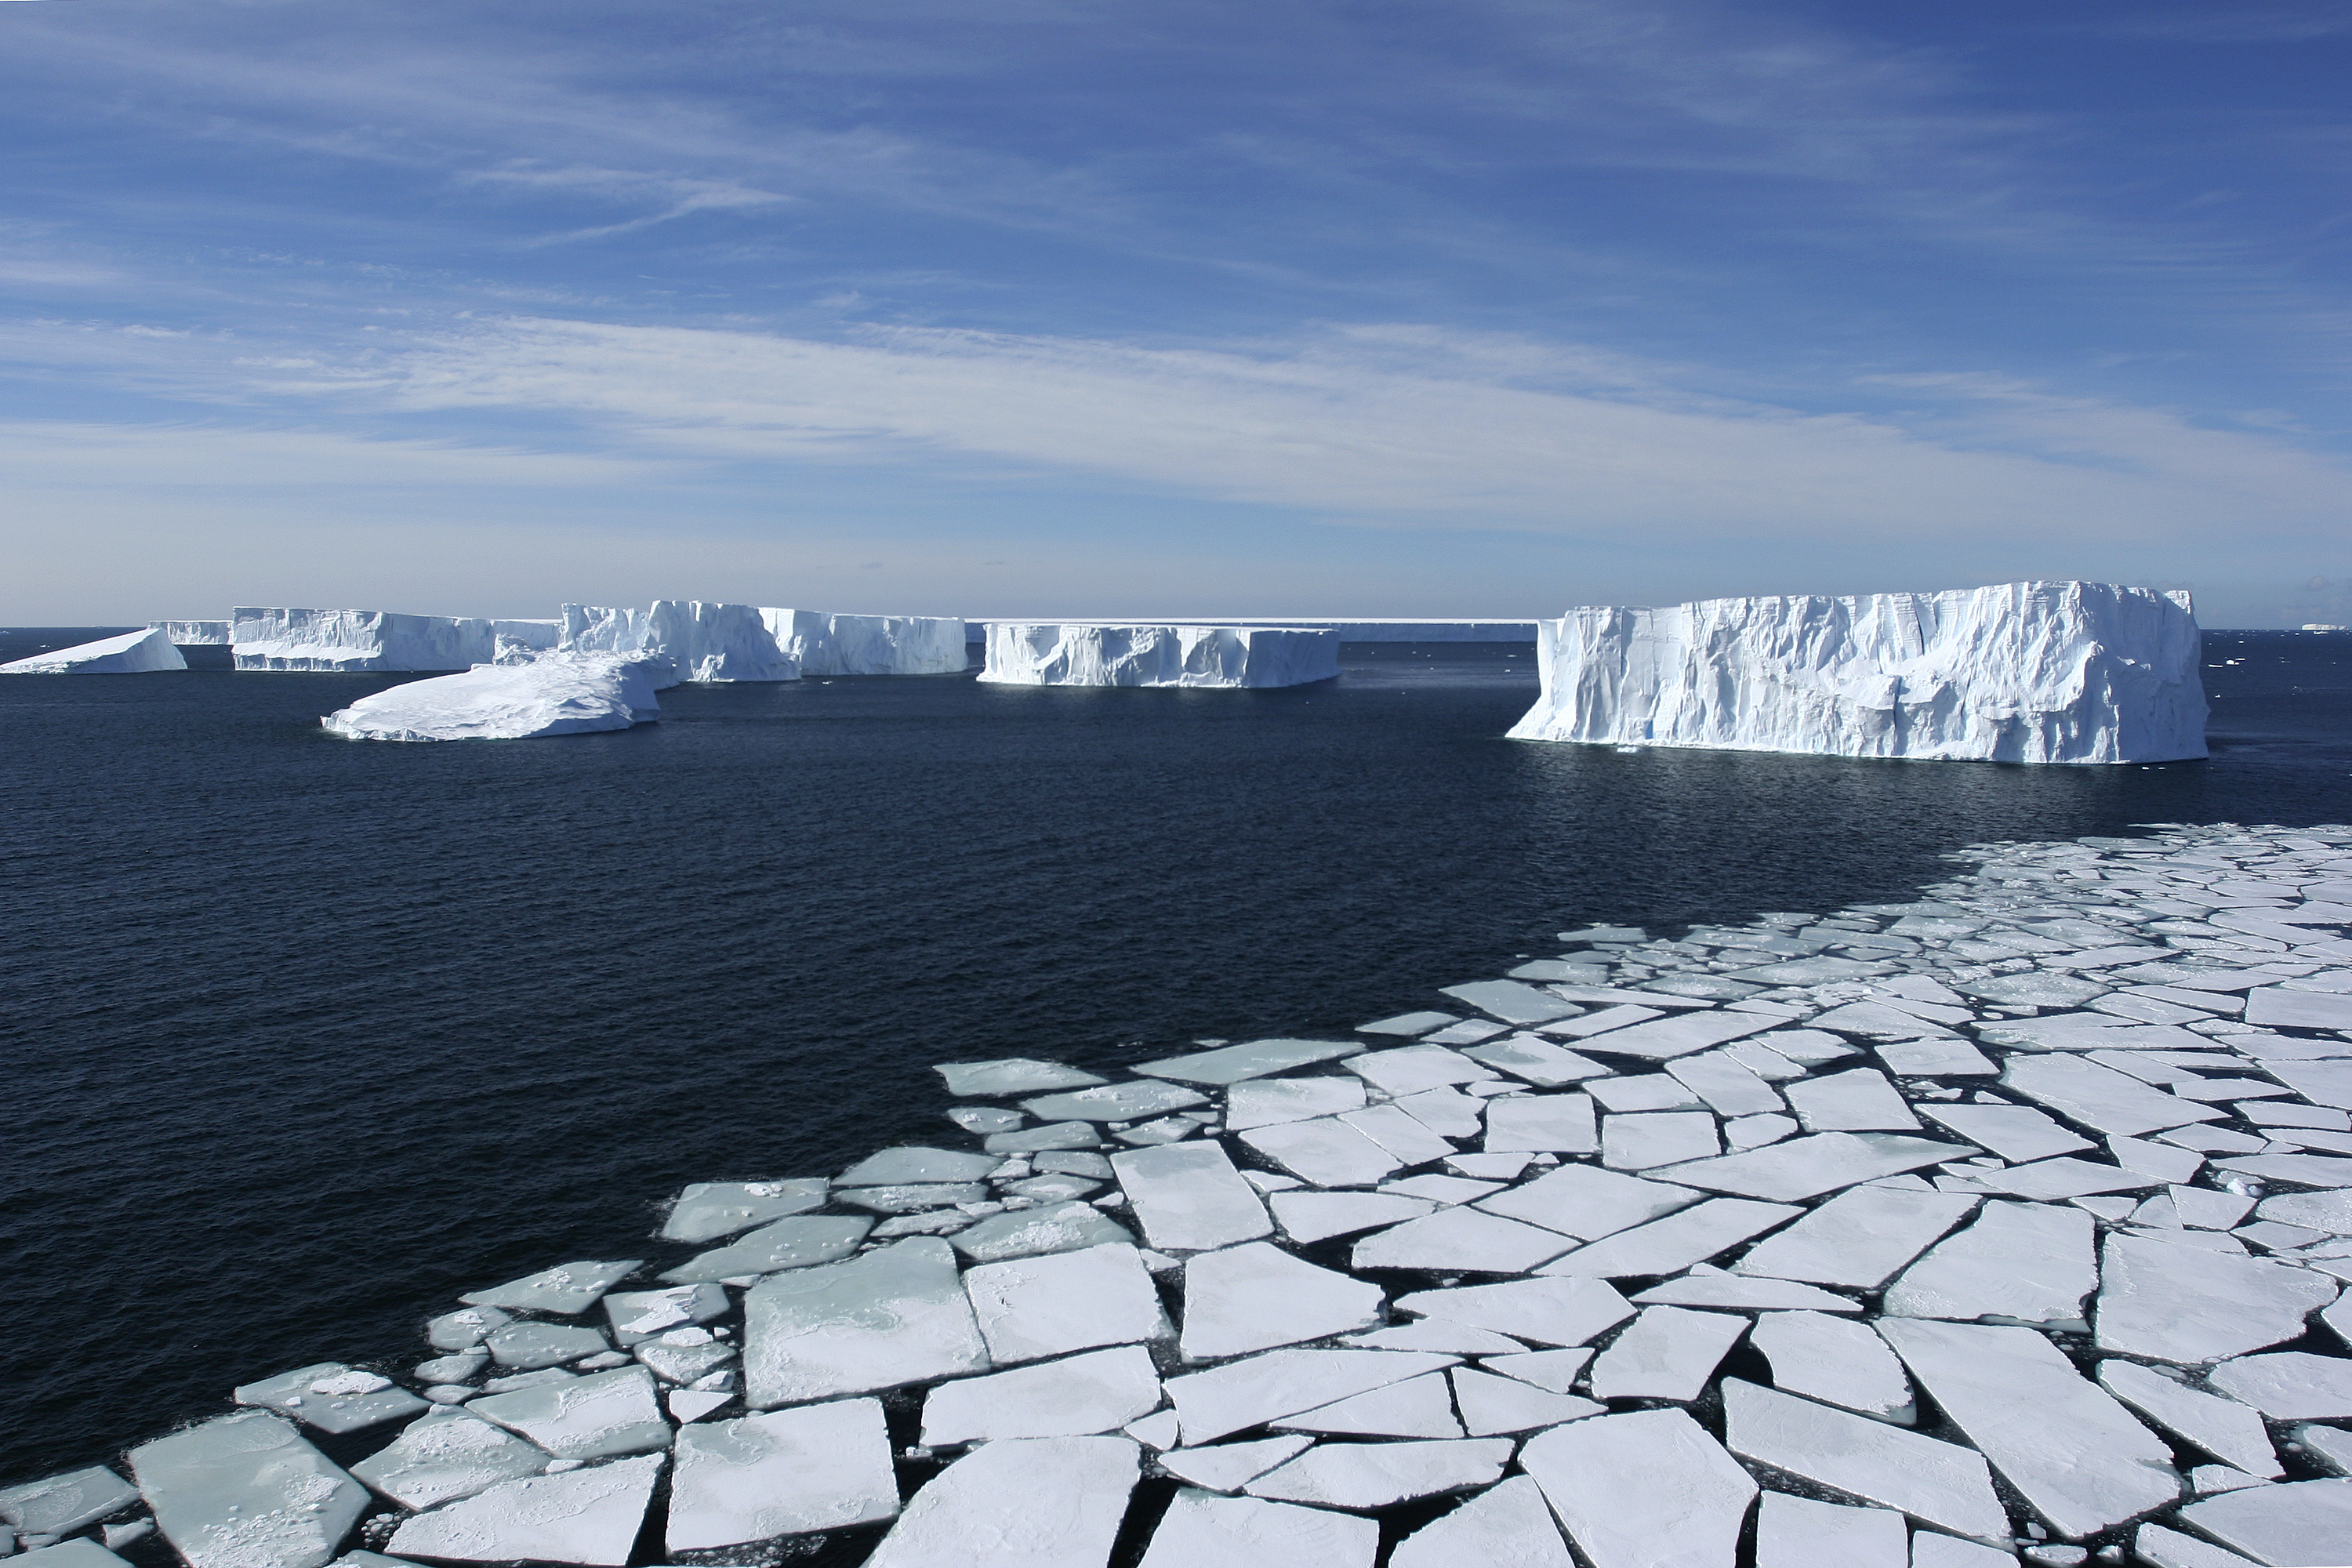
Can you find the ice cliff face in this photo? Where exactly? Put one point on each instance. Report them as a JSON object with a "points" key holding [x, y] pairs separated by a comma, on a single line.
{"points": [[349, 641], [870, 645], [127, 655], [554, 694], [707, 641], [193, 634], [1093, 655], [2023, 672]]}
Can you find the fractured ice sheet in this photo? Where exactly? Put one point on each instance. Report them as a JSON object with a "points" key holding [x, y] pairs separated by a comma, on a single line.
{"points": [[2100, 1097], [1835, 1360], [1225, 1467], [1506, 1526], [2168, 1302], [893, 1316], [1705, 1287], [2289, 1385], [588, 1516], [1418, 1407], [1643, 1489], [2012, 1131], [2291, 1526], [1671, 1245], [1200, 1530], [2228, 1430], [707, 1210], [1188, 1198], [1031, 1308], [1095, 1392], [1263, 1388], [448, 1453], [1256, 1296], [1490, 1404], [569, 1289], [1253, 1060], [787, 1472], [243, 1490], [800, 1242], [1641, 1142], [1667, 1353], [1941, 1483], [1859, 1099], [2029, 1263], [1375, 1475], [1035, 1503]]}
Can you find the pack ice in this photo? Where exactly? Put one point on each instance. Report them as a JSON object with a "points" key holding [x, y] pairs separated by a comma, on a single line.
{"points": [[556, 694], [1092, 654], [130, 654], [2023, 672], [827, 644], [357, 640]]}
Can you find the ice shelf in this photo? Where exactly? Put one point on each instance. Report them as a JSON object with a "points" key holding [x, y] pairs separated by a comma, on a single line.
{"points": [[133, 653], [357, 640], [2023, 672], [1092, 654]]}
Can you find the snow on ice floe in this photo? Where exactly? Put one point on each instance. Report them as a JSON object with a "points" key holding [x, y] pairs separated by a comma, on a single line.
{"points": [[132, 653], [1095, 654], [2089, 1299], [577, 694], [2025, 672]]}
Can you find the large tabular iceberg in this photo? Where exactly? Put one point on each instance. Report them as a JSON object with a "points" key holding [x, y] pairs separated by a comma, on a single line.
{"points": [[708, 641], [870, 645], [357, 640], [2023, 672], [130, 654], [1085, 653], [555, 694]]}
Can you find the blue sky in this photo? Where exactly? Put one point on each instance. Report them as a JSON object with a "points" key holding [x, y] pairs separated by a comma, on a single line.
{"points": [[1178, 308]]}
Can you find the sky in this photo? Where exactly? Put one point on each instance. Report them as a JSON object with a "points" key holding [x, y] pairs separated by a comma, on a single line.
{"points": [[1486, 307]]}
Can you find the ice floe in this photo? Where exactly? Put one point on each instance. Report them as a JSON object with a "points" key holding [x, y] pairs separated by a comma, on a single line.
{"points": [[1035, 1502], [1641, 1489], [587, 1516], [245, 1490]]}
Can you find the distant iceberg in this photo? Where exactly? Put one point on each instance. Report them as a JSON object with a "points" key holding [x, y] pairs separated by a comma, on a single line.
{"points": [[357, 640], [130, 654], [708, 641], [193, 634], [2024, 672], [1088, 654], [827, 644], [554, 694]]}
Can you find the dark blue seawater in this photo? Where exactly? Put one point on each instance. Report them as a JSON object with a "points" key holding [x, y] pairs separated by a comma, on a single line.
{"points": [[301, 1037]]}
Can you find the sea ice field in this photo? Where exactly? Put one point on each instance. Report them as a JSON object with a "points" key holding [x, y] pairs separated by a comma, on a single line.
{"points": [[1524, 1182]]}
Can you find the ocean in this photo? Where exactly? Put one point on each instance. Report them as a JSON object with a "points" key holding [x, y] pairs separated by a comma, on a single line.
{"points": [[305, 1036]]}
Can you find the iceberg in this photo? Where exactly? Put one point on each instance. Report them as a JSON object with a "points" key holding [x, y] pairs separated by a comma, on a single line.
{"points": [[193, 634], [348, 641], [2022, 672], [825, 644], [707, 641], [1089, 654], [562, 694], [132, 653]]}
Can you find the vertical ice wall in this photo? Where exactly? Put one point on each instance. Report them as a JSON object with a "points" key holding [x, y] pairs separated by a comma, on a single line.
{"points": [[1067, 654], [281, 638], [706, 640], [2022, 672], [193, 634], [827, 644]]}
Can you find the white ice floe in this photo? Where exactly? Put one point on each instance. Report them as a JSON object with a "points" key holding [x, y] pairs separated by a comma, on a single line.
{"points": [[1835, 1360], [1375, 1475], [1096, 1391], [639, 1315], [332, 1397], [1490, 1405], [1418, 1407], [1234, 1065], [1800, 1532], [1940, 1483], [1033, 1502], [1672, 1244], [2171, 1549], [1200, 1530], [2174, 1303], [1031, 1308], [1325, 1151], [1010, 1075], [448, 1453], [1263, 1388], [1730, 1087], [2289, 1385], [1859, 1237], [822, 643], [2298, 1525], [1115, 1102], [1256, 1296], [1651, 1139], [575, 695], [356, 640], [893, 1316], [1809, 1166], [1460, 1239], [1314, 1217], [787, 1472], [584, 1418], [1587, 1203], [133, 653], [1662, 1039], [568, 1289], [1667, 1353], [2101, 1097], [2023, 672], [1707, 1287], [2027, 1263], [1028, 1233], [1433, 1334], [1643, 1489], [1188, 1198], [1227, 1466], [59, 1504], [1272, 1102], [1859, 1099], [523, 1347], [1542, 1311], [2012, 1131], [1083, 654], [2228, 1430], [707, 1210], [800, 1242], [1536, 1060], [2079, 1457], [588, 1516], [246, 1490], [1506, 1526]]}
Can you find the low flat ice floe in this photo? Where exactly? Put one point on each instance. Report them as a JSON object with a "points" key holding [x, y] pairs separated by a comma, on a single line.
{"points": [[2012, 1222]]}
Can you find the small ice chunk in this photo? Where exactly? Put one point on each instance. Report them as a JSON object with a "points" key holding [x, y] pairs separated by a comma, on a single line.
{"points": [[1940, 1483], [1251, 1059], [1640, 1142], [568, 1289], [1799, 1533], [463, 1329], [801, 1242], [2027, 1263], [1858, 1239], [1188, 1197], [982, 1119], [1268, 1103], [446, 1453], [1418, 1407], [1641, 1489], [1491, 1405], [1506, 1526], [528, 1346], [892, 1316], [1587, 1203], [2222, 1428], [347, 1402], [1567, 1311], [787, 1472], [1834, 1360], [1010, 1075], [707, 1210], [1671, 1245], [1375, 1475], [1158, 1431], [1200, 1530], [1032, 1307], [61, 1504], [1229, 1467], [1859, 1099], [587, 1516], [1262, 1388], [2297, 1523], [1542, 1123], [2174, 1303], [1256, 1296], [1460, 1239], [2288, 1385], [1095, 1392], [915, 1165], [245, 1489], [1028, 1233], [583, 1417], [1314, 1217], [683, 1355], [1029, 1502], [1667, 1353]]}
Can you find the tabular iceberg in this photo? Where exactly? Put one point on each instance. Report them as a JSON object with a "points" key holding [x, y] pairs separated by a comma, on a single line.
{"points": [[193, 634], [555, 694], [870, 645], [1067, 654], [356, 640], [706, 640], [130, 654], [2023, 672]]}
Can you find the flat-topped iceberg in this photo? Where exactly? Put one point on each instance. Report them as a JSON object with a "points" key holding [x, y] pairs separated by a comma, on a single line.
{"points": [[2023, 672], [827, 644], [132, 653], [555, 694], [1093, 654], [706, 640], [193, 634], [357, 640]]}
